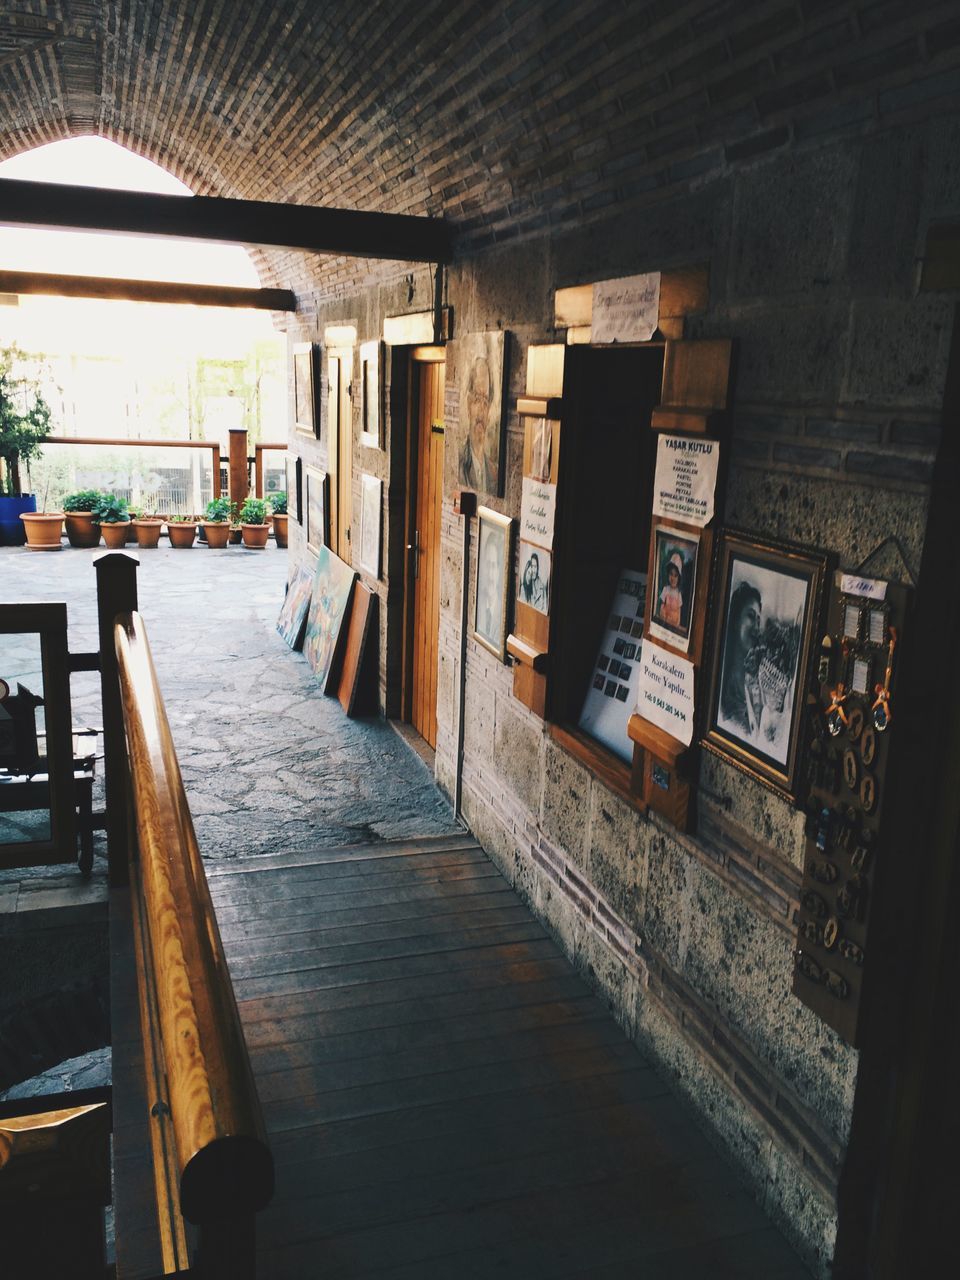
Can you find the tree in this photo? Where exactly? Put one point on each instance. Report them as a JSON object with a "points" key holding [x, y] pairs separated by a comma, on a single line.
{"points": [[24, 418]]}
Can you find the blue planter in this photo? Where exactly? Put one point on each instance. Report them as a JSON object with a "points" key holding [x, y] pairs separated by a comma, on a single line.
{"points": [[12, 532]]}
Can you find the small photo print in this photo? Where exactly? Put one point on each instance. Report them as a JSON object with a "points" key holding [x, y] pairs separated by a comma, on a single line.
{"points": [[534, 585], [603, 662], [611, 688], [636, 630], [622, 692], [541, 449], [675, 566], [598, 681], [614, 622], [630, 651], [619, 646], [625, 671], [625, 625]]}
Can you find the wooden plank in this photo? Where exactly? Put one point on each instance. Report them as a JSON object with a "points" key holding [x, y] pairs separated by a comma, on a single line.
{"points": [[50, 284], [573, 307], [358, 631], [696, 374], [332, 871], [342, 853], [545, 369], [684, 290], [289, 226]]}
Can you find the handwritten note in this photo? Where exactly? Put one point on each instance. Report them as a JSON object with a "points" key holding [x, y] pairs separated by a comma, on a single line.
{"points": [[872, 588], [665, 696], [626, 310], [538, 504], [686, 479]]}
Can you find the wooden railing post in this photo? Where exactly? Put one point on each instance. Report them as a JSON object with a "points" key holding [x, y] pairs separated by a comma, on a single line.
{"points": [[239, 466], [116, 593]]}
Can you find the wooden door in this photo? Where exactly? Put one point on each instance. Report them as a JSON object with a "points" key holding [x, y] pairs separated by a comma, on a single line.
{"points": [[340, 452], [425, 545]]}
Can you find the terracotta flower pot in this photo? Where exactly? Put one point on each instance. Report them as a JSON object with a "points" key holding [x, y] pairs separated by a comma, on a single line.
{"points": [[255, 535], [280, 529], [115, 534], [148, 532], [218, 533], [43, 531], [182, 534], [82, 529], [236, 535]]}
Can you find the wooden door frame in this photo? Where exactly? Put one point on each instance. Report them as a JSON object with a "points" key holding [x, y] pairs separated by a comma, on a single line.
{"points": [[416, 358], [334, 458]]}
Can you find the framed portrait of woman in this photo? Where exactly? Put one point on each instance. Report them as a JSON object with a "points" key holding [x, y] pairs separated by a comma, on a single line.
{"points": [[494, 567], [768, 598]]}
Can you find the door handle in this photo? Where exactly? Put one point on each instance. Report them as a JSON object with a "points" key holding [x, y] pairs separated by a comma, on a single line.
{"points": [[414, 546]]}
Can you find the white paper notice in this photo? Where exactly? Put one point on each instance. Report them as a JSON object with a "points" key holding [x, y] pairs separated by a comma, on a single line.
{"points": [[686, 479], [626, 310], [665, 695], [538, 503], [872, 588]]}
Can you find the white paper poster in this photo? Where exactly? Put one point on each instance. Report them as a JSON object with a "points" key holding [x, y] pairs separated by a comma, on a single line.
{"points": [[613, 685], [686, 479], [538, 502], [626, 310], [666, 691]]}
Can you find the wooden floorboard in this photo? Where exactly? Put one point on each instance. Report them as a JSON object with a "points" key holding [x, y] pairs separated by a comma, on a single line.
{"points": [[445, 1096]]}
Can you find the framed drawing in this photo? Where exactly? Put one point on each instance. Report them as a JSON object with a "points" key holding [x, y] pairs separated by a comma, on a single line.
{"points": [[535, 576], [767, 604], [316, 505], [371, 422], [482, 368], [494, 565], [371, 516], [305, 365], [293, 464]]}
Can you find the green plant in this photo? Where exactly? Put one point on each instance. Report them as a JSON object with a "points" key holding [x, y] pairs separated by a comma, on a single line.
{"points": [[177, 519], [278, 504], [253, 511], [220, 510], [24, 419], [82, 500], [110, 509]]}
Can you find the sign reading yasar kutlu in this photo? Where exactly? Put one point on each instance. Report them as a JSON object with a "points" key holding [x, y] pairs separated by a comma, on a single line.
{"points": [[686, 478], [665, 691]]}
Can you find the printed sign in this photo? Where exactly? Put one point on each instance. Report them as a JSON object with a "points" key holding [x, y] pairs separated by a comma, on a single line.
{"points": [[626, 310], [666, 691], [851, 585], [538, 502], [686, 478]]}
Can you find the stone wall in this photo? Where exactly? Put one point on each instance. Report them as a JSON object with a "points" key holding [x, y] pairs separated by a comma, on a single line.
{"points": [[814, 263]]}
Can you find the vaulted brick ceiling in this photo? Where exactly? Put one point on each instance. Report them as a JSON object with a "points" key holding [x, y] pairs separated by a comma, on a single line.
{"points": [[505, 117]]}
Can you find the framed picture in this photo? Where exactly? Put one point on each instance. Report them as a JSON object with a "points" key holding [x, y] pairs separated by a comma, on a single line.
{"points": [[482, 368], [494, 565], [294, 479], [305, 365], [674, 561], [316, 504], [371, 517], [329, 607], [371, 422], [767, 605], [535, 575], [293, 614]]}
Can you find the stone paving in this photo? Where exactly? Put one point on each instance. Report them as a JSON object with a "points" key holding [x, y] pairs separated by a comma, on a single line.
{"points": [[269, 763]]}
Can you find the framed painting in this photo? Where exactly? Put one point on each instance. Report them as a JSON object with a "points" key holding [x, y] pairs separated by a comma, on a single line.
{"points": [[371, 517], [482, 371], [293, 613], [317, 508], [371, 422], [329, 606], [494, 566], [293, 466], [768, 599], [305, 380]]}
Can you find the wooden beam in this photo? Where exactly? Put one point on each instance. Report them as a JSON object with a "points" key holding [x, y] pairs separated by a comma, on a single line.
{"points": [[941, 262], [288, 226], [196, 295]]}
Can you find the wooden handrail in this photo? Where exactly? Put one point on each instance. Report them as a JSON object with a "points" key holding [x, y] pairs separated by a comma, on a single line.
{"points": [[106, 441], [258, 465], [225, 1167]]}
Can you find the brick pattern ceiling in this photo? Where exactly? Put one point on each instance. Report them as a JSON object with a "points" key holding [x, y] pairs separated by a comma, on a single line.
{"points": [[504, 117]]}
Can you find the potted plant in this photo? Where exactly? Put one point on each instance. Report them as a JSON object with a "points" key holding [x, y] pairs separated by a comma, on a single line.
{"points": [[146, 528], [253, 523], [24, 425], [78, 509], [182, 530], [278, 504], [112, 516], [216, 523]]}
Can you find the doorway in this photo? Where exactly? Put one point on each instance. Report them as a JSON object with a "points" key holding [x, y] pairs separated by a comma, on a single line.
{"points": [[422, 591]]}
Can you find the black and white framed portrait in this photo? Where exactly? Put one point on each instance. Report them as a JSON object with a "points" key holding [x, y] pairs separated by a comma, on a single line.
{"points": [[535, 573], [768, 598], [305, 365], [317, 529], [494, 567]]}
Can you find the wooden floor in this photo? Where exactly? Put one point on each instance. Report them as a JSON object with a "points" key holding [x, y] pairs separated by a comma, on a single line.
{"points": [[444, 1096]]}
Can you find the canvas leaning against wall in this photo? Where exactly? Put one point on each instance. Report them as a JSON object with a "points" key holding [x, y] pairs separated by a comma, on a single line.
{"points": [[329, 604]]}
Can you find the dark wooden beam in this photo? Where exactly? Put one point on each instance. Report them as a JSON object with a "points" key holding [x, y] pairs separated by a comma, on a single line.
{"points": [[288, 226], [941, 262], [197, 295]]}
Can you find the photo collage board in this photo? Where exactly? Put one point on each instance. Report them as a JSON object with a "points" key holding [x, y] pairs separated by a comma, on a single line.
{"points": [[612, 695]]}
